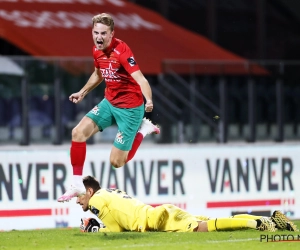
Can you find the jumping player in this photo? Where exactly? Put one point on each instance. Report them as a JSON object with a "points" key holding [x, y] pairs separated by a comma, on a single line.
{"points": [[123, 104], [119, 212]]}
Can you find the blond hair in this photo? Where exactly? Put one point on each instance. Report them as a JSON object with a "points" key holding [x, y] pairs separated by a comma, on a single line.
{"points": [[105, 19]]}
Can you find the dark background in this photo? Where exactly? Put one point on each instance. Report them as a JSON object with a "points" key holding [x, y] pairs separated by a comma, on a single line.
{"points": [[255, 29]]}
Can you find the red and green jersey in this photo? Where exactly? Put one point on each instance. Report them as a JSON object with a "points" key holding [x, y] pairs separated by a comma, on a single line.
{"points": [[117, 63]]}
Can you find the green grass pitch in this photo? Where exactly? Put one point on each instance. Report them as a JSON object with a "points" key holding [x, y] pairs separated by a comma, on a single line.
{"points": [[72, 238]]}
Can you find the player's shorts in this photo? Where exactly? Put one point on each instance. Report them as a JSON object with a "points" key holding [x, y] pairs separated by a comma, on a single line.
{"points": [[128, 121], [176, 220]]}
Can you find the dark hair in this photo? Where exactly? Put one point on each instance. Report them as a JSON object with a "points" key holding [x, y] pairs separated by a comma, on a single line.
{"points": [[91, 182]]}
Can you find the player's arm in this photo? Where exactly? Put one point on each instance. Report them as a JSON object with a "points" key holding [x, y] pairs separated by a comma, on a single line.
{"points": [[94, 80], [145, 87]]}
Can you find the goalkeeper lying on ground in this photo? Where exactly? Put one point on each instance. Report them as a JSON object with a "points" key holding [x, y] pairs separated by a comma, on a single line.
{"points": [[119, 212]]}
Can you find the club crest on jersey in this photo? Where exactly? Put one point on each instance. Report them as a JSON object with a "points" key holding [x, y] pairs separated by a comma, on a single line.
{"points": [[131, 61], [94, 210], [119, 137]]}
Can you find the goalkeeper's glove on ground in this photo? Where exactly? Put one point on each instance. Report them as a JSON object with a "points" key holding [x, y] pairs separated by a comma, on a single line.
{"points": [[90, 225]]}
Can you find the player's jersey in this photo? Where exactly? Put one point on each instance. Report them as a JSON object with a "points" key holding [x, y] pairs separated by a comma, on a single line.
{"points": [[118, 211], [117, 64]]}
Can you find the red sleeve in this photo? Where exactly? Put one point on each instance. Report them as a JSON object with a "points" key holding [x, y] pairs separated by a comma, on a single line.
{"points": [[127, 60], [96, 64], [95, 58]]}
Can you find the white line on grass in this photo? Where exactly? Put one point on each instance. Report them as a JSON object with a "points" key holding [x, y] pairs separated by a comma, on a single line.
{"points": [[233, 240]]}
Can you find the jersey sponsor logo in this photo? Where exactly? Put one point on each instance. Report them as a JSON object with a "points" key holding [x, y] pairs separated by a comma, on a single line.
{"points": [[119, 138], [131, 61], [110, 74], [94, 210], [95, 110]]}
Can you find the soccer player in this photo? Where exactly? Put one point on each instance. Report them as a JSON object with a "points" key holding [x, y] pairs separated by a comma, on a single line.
{"points": [[119, 212], [123, 104]]}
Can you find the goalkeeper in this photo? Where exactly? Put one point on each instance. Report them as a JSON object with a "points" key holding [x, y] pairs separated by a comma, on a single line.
{"points": [[120, 212]]}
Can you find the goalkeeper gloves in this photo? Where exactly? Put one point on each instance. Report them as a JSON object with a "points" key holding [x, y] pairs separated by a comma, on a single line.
{"points": [[90, 225]]}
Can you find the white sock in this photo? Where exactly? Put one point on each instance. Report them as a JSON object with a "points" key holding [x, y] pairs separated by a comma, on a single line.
{"points": [[77, 180], [144, 132]]}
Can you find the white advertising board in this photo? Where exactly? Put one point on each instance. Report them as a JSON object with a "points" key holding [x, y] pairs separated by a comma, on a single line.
{"points": [[215, 181]]}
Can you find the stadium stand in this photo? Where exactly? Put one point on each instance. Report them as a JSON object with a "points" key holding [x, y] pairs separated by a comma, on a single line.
{"points": [[234, 37]]}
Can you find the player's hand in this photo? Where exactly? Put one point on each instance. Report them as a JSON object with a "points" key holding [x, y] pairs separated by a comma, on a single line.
{"points": [[90, 225], [76, 97], [149, 106]]}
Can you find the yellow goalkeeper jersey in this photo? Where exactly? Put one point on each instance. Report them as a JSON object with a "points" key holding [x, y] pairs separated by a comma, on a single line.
{"points": [[120, 212]]}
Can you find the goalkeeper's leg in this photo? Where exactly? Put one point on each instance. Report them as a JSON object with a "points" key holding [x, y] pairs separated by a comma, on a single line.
{"points": [[246, 216], [219, 224]]}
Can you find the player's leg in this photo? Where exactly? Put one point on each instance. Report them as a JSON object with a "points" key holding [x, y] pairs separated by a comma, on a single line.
{"points": [[262, 224], [237, 216], [119, 157], [177, 220], [156, 218], [246, 216], [128, 121], [147, 128], [88, 126], [202, 227], [282, 222], [85, 128], [132, 128]]}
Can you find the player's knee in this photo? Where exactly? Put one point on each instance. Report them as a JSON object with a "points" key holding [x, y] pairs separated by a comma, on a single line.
{"points": [[118, 157], [202, 227], [77, 134], [117, 163]]}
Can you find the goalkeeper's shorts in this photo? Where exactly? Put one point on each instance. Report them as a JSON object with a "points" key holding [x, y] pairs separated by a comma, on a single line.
{"points": [[177, 220]]}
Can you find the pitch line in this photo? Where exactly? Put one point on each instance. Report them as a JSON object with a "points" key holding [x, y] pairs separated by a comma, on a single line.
{"points": [[233, 240]]}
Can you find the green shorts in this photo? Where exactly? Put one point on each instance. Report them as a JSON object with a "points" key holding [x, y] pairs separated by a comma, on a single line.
{"points": [[128, 121]]}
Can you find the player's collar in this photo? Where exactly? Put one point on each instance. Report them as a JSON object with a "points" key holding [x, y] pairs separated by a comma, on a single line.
{"points": [[110, 47]]}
